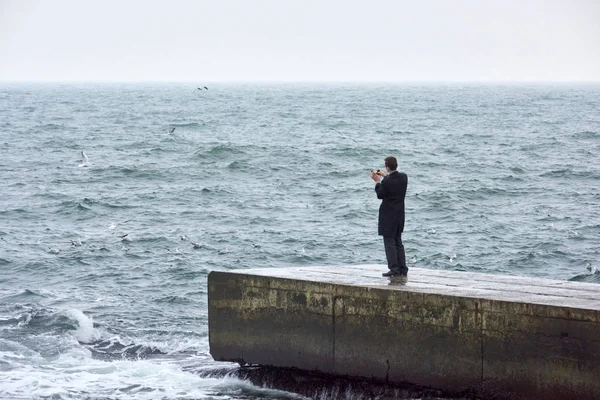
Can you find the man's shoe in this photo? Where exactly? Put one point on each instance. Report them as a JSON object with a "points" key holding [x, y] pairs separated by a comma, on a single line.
{"points": [[390, 273]]}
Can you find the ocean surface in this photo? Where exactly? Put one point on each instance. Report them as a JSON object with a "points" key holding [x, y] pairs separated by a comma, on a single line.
{"points": [[103, 267]]}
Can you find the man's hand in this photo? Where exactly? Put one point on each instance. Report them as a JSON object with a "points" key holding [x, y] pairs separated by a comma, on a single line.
{"points": [[375, 177]]}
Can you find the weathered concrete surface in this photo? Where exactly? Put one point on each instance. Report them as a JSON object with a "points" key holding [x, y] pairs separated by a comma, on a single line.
{"points": [[502, 336]]}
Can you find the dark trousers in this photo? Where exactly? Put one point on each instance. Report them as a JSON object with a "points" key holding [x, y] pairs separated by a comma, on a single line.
{"points": [[394, 252]]}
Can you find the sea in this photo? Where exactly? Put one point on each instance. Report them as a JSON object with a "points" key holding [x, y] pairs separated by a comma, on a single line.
{"points": [[104, 257]]}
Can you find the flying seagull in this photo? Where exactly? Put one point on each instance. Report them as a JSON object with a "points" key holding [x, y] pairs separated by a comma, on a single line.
{"points": [[342, 135], [171, 130], [84, 160]]}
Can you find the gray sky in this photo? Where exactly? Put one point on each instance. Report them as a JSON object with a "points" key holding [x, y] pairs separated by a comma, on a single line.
{"points": [[289, 40]]}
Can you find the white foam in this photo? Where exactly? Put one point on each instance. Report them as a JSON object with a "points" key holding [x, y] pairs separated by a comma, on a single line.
{"points": [[76, 375]]}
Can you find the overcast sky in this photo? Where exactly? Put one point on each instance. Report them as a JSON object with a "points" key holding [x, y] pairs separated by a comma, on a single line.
{"points": [[293, 40]]}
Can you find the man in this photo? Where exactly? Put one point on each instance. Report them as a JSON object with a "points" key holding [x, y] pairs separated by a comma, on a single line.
{"points": [[392, 190]]}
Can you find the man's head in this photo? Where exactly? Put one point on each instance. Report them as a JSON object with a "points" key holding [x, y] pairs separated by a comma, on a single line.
{"points": [[391, 163]]}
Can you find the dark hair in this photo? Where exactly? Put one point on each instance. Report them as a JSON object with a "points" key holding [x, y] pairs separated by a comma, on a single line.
{"points": [[391, 163]]}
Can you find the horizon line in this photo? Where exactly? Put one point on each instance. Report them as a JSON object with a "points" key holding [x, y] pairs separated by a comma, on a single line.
{"points": [[298, 81]]}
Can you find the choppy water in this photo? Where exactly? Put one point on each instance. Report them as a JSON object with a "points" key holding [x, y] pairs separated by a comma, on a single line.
{"points": [[502, 179]]}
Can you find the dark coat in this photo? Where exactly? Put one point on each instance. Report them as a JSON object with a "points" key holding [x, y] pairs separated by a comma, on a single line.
{"points": [[391, 191]]}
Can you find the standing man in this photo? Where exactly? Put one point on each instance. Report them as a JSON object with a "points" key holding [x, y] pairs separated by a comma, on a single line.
{"points": [[392, 190]]}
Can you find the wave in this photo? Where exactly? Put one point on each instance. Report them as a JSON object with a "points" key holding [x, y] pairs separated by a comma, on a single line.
{"points": [[402, 132], [74, 206], [593, 276], [26, 296], [213, 191], [240, 165], [51, 127], [586, 135], [139, 172], [154, 150], [589, 278], [354, 152], [35, 319], [14, 210], [187, 125], [83, 207], [222, 149], [228, 150], [570, 173], [174, 300]]}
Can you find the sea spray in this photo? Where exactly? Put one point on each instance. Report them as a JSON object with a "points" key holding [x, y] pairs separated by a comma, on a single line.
{"points": [[85, 333]]}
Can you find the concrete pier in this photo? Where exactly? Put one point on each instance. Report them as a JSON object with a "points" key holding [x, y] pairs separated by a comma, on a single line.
{"points": [[498, 336]]}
